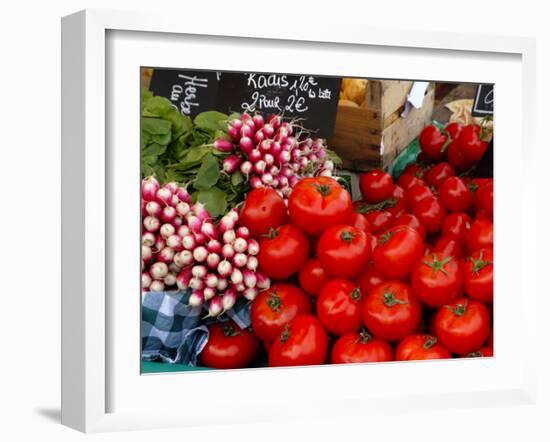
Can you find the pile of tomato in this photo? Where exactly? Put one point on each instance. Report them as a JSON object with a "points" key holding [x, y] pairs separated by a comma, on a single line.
{"points": [[406, 273]]}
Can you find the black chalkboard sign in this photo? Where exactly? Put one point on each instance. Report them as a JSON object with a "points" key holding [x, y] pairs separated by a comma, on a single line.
{"points": [[483, 102], [312, 99], [191, 92]]}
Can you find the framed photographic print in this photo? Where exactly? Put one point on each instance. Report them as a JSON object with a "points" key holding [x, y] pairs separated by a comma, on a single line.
{"points": [[238, 229]]}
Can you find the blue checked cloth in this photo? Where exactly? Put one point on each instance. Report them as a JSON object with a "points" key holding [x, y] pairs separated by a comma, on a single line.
{"points": [[174, 332]]}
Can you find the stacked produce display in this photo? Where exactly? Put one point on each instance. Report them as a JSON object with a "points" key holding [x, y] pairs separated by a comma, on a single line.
{"points": [[404, 273]]}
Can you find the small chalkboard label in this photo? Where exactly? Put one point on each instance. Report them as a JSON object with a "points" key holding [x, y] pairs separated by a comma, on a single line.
{"points": [[312, 99], [483, 103], [191, 92]]}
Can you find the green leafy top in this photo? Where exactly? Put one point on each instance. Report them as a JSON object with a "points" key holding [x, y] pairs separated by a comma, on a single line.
{"points": [[177, 148]]}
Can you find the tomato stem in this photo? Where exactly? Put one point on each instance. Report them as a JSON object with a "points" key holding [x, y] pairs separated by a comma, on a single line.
{"points": [[324, 189], [364, 337], [447, 142], [460, 309], [285, 334], [229, 330], [430, 341], [386, 204], [385, 237], [356, 294], [347, 236], [273, 233], [274, 301], [390, 300], [480, 263], [437, 265]]}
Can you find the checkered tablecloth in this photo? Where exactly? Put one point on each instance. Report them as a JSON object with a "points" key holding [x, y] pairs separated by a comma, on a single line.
{"points": [[174, 332]]}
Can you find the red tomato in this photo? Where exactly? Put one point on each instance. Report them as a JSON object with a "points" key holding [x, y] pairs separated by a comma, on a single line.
{"points": [[360, 221], [397, 204], [275, 307], [480, 235], [439, 173], [370, 279], [316, 204], [472, 146], [416, 194], [283, 252], [263, 209], [483, 352], [454, 129], [375, 186], [360, 347], [391, 311], [312, 277], [414, 169], [379, 220], [456, 157], [463, 326], [229, 347], [303, 341], [397, 252], [339, 307], [407, 180], [455, 195], [412, 221], [437, 280], [432, 142], [449, 246], [420, 346], [344, 251], [478, 275], [483, 199], [431, 213], [456, 225]]}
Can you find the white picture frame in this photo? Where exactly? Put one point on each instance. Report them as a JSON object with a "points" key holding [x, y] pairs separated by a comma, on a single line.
{"points": [[90, 170]]}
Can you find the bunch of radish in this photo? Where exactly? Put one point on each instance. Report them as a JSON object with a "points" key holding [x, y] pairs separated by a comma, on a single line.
{"points": [[272, 153], [182, 248]]}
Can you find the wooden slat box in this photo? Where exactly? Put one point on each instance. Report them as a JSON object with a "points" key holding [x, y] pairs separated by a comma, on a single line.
{"points": [[373, 136]]}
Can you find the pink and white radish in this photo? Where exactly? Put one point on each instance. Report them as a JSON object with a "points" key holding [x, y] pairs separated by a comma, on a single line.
{"points": [[166, 255], [170, 279], [147, 239], [158, 270], [167, 230], [240, 245], [197, 298], [149, 188], [146, 253], [212, 260], [156, 286], [151, 223], [200, 253], [146, 280]]}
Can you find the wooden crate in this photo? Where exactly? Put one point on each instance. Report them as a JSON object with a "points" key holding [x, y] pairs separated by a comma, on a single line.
{"points": [[372, 136]]}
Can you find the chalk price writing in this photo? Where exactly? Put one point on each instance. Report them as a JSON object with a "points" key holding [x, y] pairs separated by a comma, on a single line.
{"points": [[488, 98], [301, 89], [190, 89], [261, 102]]}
